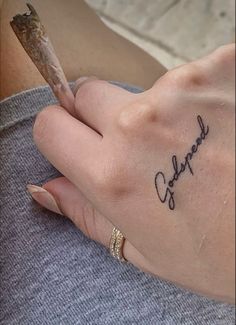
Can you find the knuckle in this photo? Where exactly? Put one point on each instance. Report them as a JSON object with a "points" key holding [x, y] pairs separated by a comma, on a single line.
{"points": [[187, 76], [111, 181], [136, 116], [225, 53]]}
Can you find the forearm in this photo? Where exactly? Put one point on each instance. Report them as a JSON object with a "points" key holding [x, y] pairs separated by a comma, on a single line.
{"points": [[82, 45]]}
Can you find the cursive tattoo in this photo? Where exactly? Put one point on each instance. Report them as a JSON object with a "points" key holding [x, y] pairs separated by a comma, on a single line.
{"points": [[179, 169]]}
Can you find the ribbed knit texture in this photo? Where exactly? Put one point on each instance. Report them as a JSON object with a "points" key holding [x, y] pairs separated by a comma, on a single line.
{"points": [[50, 272]]}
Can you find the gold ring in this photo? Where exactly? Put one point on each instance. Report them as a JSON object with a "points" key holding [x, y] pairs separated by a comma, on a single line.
{"points": [[117, 244]]}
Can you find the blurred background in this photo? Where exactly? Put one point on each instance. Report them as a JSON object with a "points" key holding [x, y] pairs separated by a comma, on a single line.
{"points": [[173, 31]]}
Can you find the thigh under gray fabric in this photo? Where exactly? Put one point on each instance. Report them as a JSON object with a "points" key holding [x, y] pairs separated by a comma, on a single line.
{"points": [[50, 272]]}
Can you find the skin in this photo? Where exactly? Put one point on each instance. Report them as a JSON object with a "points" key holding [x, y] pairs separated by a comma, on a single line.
{"points": [[192, 245], [133, 137]]}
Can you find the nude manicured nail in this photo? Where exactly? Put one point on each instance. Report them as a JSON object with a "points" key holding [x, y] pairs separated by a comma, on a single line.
{"points": [[44, 198]]}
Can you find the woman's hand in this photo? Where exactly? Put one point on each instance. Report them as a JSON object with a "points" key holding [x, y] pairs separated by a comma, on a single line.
{"points": [[158, 165]]}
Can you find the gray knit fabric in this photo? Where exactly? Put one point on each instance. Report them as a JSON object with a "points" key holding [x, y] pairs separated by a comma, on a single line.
{"points": [[50, 272]]}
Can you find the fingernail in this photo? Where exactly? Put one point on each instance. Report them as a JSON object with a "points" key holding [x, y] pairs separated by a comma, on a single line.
{"points": [[82, 80], [44, 198]]}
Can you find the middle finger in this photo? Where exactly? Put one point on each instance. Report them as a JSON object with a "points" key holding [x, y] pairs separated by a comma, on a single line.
{"points": [[97, 103]]}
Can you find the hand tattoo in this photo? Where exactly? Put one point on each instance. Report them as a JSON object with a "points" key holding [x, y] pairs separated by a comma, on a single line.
{"points": [[160, 178]]}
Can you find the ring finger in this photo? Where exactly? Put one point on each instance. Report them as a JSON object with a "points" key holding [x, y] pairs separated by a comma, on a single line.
{"points": [[63, 197]]}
